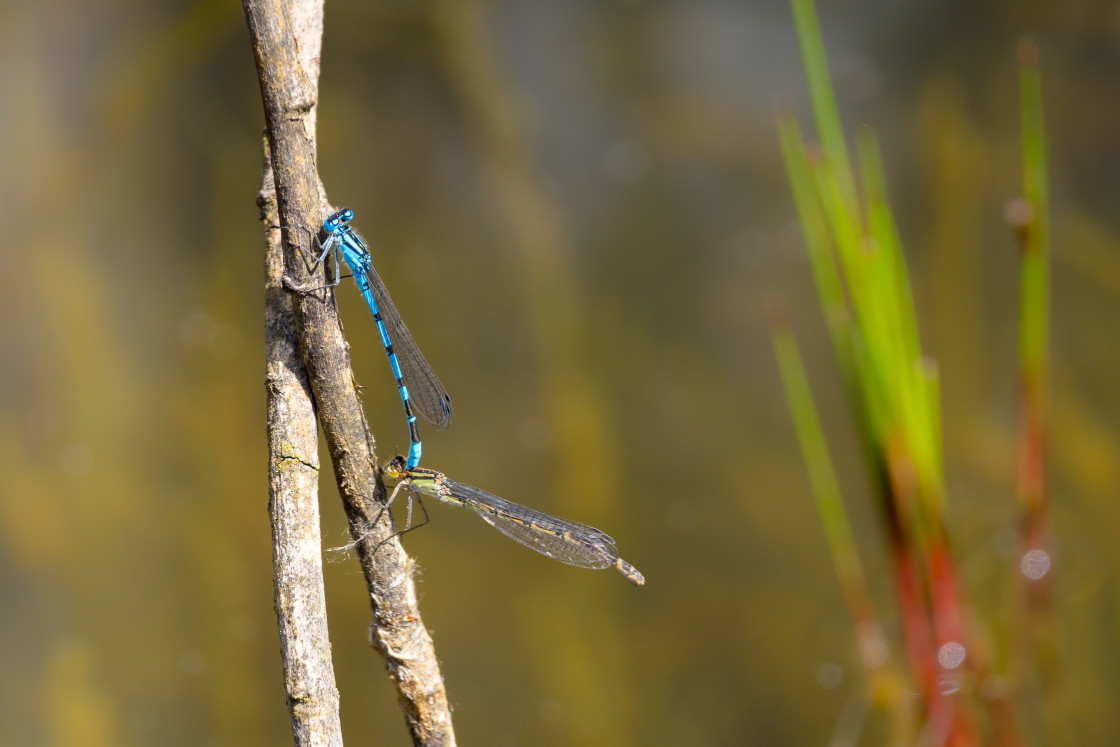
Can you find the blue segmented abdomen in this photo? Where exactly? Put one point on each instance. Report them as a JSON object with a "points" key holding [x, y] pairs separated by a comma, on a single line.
{"points": [[424, 393], [415, 447]]}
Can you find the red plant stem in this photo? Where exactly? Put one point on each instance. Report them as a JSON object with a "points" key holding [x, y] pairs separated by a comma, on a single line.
{"points": [[1032, 483], [945, 716], [898, 487], [943, 589], [928, 597], [1032, 471], [915, 619]]}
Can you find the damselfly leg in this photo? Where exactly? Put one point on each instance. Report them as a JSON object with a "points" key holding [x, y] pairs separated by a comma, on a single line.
{"points": [[388, 506]]}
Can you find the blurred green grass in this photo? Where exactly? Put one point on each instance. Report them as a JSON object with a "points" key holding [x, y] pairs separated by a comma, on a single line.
{"points": [[973, 681]]}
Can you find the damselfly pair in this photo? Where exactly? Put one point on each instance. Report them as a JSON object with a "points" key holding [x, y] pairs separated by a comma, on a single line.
{"points": [[566, 541]]}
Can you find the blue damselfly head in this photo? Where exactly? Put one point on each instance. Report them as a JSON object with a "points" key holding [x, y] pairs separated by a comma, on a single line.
{"points": [[338, 219]]}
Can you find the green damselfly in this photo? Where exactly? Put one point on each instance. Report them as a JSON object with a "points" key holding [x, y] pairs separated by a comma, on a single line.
{"points": [[560, 539]]}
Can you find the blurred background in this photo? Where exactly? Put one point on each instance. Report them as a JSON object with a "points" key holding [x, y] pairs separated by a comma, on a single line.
{"points": [[580, 208]]}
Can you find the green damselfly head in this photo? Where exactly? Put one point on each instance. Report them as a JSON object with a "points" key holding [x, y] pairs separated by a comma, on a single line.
{"points": [[395, 469]]}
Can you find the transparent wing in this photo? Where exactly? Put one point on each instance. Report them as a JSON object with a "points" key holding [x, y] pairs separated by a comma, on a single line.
{"points": [[566, 541], [555, 547], [424, 388]]}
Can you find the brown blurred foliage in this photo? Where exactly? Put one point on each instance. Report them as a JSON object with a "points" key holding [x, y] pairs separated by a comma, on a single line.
{"points": [[578, 207]]}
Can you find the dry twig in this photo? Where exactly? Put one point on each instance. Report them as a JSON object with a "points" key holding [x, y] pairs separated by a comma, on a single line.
{"points": [[289, 90]]}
